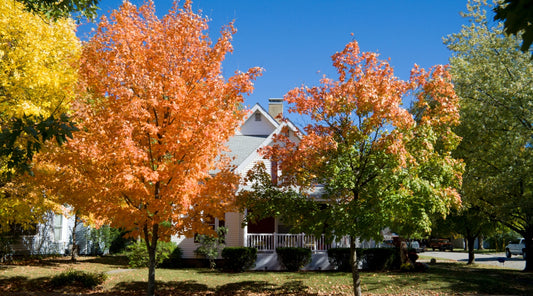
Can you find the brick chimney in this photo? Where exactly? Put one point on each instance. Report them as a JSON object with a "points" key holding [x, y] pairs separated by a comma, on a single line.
{"points": [[275, 107]]}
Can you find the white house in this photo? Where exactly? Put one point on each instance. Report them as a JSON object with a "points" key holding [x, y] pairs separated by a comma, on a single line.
{"points": [[257, 131]]}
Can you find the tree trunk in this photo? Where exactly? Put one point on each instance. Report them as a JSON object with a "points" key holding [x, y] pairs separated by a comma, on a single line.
{"points": [[480, 238], [355, 270], [75, 249], [471, 241], [151, 245]]}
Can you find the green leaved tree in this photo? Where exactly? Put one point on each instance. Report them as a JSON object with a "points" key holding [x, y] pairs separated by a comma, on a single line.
{"points": [[56, 9], [379, 163], [494, 80]]}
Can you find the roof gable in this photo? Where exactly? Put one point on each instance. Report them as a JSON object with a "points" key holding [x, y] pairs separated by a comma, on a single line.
{"points": [[255, 135], [258, 122]]}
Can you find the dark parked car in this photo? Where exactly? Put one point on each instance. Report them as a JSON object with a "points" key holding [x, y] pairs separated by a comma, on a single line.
{"points": [[440, 244]]}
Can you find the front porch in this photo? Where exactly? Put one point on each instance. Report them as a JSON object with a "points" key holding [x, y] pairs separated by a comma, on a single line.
{"points": [[268, 242]]}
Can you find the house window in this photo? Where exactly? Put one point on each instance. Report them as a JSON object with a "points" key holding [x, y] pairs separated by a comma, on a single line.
{"points": [[257, 116], [58, 227]]}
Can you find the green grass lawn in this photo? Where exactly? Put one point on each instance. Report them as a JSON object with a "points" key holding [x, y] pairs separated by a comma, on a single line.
{"points": [[33, 278]]}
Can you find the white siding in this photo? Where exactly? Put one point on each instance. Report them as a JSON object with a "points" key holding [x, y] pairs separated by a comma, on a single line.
{"points": [[187, 245], [257, 128], [234, 238]]}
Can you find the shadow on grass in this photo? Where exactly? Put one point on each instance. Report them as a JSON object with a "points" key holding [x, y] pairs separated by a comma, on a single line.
{"points": [[120, 261], [246, 287], [185, 288], [485, 280], [458, 278], [23, 284], [237, 288], [36, 261]]}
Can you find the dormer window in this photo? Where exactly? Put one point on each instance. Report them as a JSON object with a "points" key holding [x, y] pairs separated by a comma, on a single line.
{"points": [[257, 116]]}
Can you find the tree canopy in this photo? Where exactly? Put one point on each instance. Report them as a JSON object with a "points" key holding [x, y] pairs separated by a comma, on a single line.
{"points": [[154, 113], [379, 163], [38, 79], [518, 19], [56, 9], [493, 78]]}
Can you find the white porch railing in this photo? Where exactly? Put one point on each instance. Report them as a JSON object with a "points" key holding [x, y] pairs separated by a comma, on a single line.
{"points": [[268, 242]]}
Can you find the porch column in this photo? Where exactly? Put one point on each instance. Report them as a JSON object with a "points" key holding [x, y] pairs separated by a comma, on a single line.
{"points": [[245, 230]]}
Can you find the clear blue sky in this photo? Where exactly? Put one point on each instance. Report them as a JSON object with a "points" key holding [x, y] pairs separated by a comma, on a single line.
{"points": [[293, 40]]}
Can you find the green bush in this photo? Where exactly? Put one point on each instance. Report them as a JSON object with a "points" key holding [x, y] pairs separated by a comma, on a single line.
{"points": [[374, 259], [239, 259], [5, 248], [138, 254], [119, 243], [78, 278], [379, 259], [293, 259], [173, 260], [340, 257], [210, 245]]}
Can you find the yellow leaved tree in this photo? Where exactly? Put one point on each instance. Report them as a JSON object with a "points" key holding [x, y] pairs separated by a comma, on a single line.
{"points": [[37, 83]]}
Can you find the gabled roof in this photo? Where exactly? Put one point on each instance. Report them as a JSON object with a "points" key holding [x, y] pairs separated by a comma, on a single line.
{"points": [[244, 147], [265, 113]]}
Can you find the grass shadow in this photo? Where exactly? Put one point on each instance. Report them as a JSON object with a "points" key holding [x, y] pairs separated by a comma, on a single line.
{"points": [[115, 260], [36, 261], [247, 287], [486, 280], [24, 284], [173, 287], [237, 288], [465, 280]]}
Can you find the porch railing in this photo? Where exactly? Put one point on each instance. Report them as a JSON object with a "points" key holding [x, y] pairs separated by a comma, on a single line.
{"points": [[268, 242]]}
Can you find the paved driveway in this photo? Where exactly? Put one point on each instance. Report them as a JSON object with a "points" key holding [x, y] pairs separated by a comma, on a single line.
{"points": [[515, 262]]}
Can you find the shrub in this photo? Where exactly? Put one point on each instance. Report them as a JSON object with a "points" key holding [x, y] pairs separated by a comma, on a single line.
{"points": [[340, 257], [119, 243], [413, 256], [374, 259], [239, 259], [138, 254], [174, 259], [79, 278], [378, 259], [293, 259], [210, 244], [5, 248]]}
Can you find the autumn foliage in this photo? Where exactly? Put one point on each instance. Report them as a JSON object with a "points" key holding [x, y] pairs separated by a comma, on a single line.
{"points": [[154, 115], [38, 77], [381, 165]]}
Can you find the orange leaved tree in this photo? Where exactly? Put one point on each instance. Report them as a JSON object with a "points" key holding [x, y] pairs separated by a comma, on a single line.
{"points": [[380, 164], [154, 115]]}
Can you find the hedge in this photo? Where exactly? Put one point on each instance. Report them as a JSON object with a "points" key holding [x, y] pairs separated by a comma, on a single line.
{"points": [[238, 259], [293, 259], [373, 259]]}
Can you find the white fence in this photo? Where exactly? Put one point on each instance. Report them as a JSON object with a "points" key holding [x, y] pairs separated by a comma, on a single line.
{"points": [[268, 242]]}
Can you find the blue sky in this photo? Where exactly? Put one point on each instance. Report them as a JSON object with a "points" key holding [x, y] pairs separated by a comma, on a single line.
{"points": [[293, 40]]}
